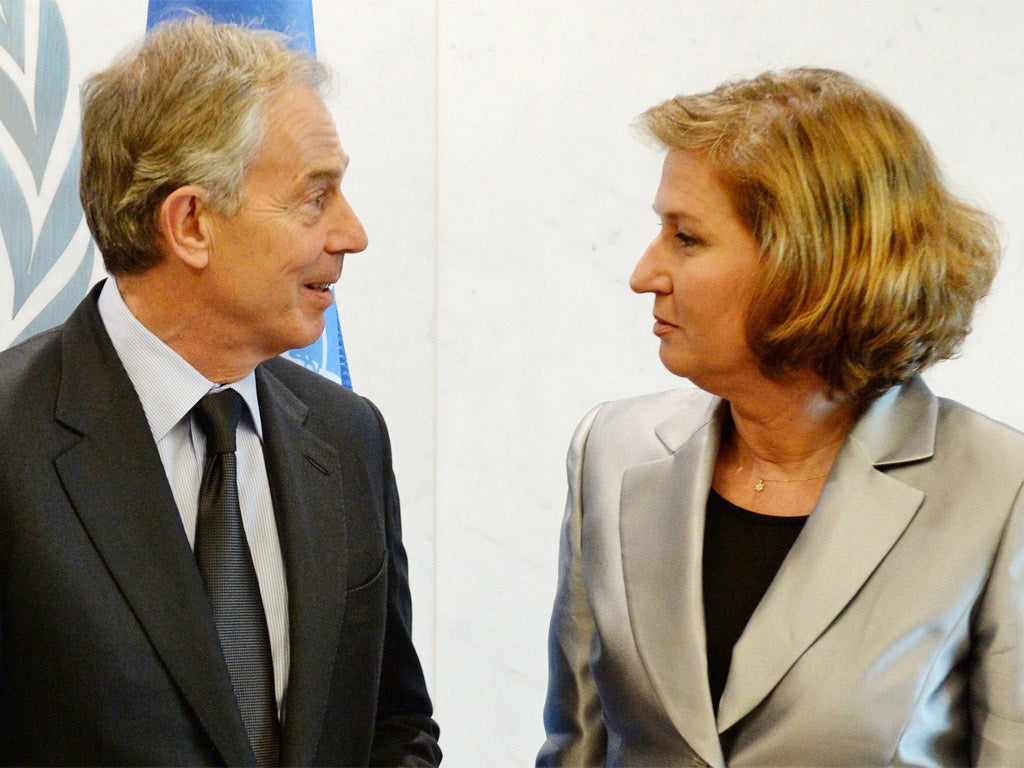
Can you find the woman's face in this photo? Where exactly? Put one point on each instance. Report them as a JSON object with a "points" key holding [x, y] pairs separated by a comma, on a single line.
{"points": [[701, 268]]}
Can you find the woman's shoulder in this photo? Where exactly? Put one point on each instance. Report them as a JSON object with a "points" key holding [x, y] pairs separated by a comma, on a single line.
{"points": [[911, 425], [962, 415], [672, 415], [658, 406], [962, 430]]}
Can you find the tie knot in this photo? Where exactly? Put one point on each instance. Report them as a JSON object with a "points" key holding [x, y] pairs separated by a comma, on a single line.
{"points": [[217, 415]]}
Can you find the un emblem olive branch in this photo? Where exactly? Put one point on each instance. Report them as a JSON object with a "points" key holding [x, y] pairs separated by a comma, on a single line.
{"points": [[41, 277]]}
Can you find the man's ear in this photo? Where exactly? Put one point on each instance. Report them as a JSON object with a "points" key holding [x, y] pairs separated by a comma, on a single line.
{"points": [[183, 225]]}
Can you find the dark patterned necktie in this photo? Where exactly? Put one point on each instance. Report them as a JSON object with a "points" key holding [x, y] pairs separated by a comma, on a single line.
{"points": [[226, 565]]}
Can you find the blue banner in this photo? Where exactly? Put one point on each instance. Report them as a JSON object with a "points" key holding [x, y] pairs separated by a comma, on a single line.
{"points": [[291, 17], [295, 19]]}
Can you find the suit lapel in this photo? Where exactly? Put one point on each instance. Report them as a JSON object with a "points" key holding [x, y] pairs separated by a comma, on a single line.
{"points": [[116, 483], [662, 510], [306, 485], [861, 514], [859, 517]]}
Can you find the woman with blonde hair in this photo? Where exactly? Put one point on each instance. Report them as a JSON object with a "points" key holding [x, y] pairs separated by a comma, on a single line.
{"points": [[809, 558]]}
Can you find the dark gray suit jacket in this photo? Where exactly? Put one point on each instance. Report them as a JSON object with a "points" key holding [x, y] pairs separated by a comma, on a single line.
{"points": [[108, 649]]}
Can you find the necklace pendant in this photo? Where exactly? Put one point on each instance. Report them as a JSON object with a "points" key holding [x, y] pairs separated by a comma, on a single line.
{"points": [[760, 485]]}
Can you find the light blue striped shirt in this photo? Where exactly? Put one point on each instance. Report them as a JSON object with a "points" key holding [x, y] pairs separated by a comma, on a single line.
{"points": [[168, 388]]}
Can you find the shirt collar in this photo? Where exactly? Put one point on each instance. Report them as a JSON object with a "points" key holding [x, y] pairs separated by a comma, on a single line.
{"points": [[167, 385]]}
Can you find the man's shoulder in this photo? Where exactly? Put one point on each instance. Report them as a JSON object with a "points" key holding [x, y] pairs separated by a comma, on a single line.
{"points": [[30, 362], [308, 383], [328, 402], [79, 341], [336, 415], [29, 383]]}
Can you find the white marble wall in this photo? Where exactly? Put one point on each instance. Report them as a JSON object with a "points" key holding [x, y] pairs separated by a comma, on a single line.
{"points": [[506, 201]]}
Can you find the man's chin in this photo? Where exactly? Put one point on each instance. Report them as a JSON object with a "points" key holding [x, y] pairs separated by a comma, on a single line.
{"points": [[309, 336]]}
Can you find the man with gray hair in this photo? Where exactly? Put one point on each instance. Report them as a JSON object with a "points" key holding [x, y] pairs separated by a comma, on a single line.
{"points": [[202, 559]]}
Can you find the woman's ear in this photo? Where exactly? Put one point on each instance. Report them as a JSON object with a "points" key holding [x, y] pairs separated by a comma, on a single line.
{"points": [[183, 226]]}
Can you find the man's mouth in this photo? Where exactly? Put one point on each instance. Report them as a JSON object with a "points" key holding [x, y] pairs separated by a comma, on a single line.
{"points": [[662, 327], [319, 286]]}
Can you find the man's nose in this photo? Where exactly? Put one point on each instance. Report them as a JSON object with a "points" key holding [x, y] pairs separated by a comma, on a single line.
{"points": [[346, 234]]}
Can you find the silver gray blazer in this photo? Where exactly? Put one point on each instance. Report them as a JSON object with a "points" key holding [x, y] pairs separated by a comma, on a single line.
{"points": [[892, 634]]}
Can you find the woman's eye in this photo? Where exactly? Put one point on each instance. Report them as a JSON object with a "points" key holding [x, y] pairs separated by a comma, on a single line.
{"points": [[686, 239]]}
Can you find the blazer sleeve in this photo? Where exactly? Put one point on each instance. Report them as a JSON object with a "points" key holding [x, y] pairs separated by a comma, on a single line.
{"points": [[405, 733], [573, 720], [997, 682]]}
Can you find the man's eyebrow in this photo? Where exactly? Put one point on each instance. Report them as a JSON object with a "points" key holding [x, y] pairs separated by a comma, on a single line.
{"points": [[328, 175], [323, 176]]}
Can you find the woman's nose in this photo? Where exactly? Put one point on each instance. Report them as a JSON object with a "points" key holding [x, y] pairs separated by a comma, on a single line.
{"points": [[645, 274]]}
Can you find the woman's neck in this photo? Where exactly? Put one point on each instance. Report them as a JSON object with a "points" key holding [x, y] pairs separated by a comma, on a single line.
{"points": [[778, 445]]}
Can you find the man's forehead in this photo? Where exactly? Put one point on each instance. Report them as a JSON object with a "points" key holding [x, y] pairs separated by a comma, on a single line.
{"points": [[301, 133], [328, 167], [300, 108]]}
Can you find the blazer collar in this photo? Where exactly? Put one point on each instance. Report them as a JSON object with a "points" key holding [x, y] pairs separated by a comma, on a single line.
{"points": [[900, 426], [861, 513], [306, 485], [661, 525], [116, 484], [897, 427], [115, 466], [678, 429]]}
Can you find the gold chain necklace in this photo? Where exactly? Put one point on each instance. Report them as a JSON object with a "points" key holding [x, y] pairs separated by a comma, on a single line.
{"points": [[760, 484]]}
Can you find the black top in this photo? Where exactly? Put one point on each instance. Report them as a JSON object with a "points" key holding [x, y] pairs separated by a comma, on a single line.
{"points": [[743, 551]]}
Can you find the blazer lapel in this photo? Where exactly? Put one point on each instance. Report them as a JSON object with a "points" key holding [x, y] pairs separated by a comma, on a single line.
{"points": [[860, 515], [116, 483], [306, 485], [662, 510]]}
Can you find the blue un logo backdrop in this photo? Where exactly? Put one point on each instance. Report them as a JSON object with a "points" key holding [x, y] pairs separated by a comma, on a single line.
{"points": [[46, 254]]}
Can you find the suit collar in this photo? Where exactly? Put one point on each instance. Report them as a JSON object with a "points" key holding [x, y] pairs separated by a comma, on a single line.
{"points": [[662, 510], [115, 464], [305, 476], [676, 430], [859, 517], [900, 426], [112, 470], [861, 513], [93, 380], [897, 427]]}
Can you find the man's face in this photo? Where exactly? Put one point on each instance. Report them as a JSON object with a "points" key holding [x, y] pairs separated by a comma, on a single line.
{"points": [[272, 264]]}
